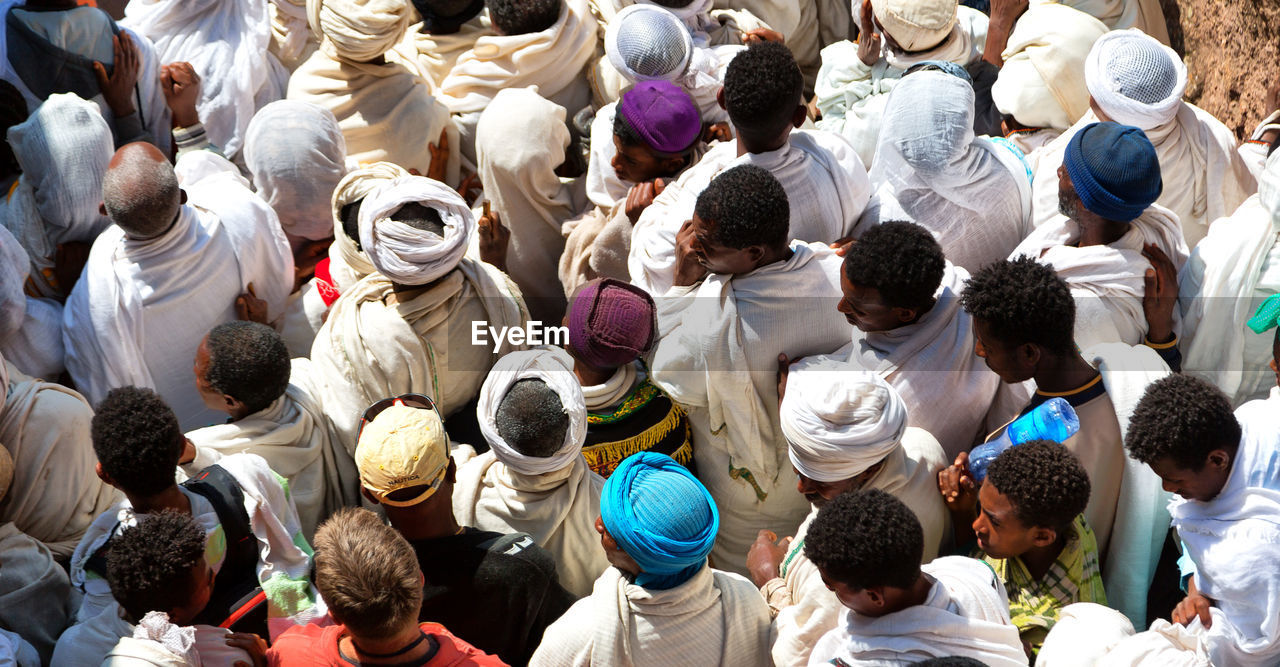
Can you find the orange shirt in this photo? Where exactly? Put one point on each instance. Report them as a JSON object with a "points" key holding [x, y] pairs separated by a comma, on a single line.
{"points": [[315, 646]]}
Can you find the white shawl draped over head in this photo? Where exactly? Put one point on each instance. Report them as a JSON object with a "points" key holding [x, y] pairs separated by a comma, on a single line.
{"points": [[63, 148], [347, 264], [358, 30], [1041, 83], [405, 254], [550, 368], [839, 422], [1144, 15], [1217, 290], [30, 328], [226, 42], [971, 193], [552, 60], [1114, 273], [296, 155], [1234, 540], [981, 629]]}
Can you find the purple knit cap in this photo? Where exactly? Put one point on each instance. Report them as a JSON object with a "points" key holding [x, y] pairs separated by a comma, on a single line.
{"points": [[663, 114], [611, 323]]}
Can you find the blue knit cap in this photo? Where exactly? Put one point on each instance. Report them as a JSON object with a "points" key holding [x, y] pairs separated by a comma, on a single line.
{"points": [[1114, 169], [661, 516]]}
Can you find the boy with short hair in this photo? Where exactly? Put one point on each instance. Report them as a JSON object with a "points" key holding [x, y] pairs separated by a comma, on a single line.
{"points": [[867, 545], [1031, 530]]}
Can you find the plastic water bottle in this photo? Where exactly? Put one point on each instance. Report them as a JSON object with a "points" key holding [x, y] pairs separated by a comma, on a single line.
{"points": [[1052, 420]]}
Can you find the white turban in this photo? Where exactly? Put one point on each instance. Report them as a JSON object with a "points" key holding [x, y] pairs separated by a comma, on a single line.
{"points": [[645, 42], [296, 155], [64, 148], [839, 422], [347, 264], [405, 254], [358, 30], [548, 366], [1042, 81], [1134, 79]]}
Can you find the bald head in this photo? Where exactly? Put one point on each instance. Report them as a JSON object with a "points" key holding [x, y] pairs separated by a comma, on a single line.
{"points": [[140, 191]]}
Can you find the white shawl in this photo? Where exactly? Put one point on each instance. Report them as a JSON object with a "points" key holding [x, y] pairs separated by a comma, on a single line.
{"points": [[296, 156], [369, 350], [1204, 176], [1219, 291], [1145, 15], [226, 42], [715, 618], [931, 363], [434, 56], [225, 238], [966, 614], [30, 327], [559, 509], [405, 254], [1234, 541], [826, 184], [35, 594], [555, 369], [972, 193], [347, 265], [1041, 83], [296, 439], [55, 493], [1106, 280]]}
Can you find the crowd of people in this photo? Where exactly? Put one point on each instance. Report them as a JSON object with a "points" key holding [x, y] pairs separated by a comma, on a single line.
{"points": [[631, 332]]}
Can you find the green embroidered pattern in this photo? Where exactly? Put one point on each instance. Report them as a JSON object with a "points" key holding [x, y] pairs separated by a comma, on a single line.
{"points": [[638, 398]]}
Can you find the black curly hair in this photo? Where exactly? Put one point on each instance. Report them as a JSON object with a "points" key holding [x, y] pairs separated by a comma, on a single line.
{"points": [[899, 259], [748, 207], [866, 538], [137, 440], [249, 362], [522, 17], [1023, 301], [1182, 418], [762, 88], [1044, 482], [149, 566], [532, 419], [349, 214]]}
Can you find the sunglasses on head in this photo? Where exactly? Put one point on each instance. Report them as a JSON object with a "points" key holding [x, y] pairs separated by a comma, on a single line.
{"points": [[420, 401]]}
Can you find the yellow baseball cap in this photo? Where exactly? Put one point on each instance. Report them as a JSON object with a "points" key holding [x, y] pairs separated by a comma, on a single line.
{"points": [[403, 447]]}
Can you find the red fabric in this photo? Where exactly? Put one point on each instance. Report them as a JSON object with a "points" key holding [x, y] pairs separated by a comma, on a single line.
{"points": [[316, 646], [324, 283]]}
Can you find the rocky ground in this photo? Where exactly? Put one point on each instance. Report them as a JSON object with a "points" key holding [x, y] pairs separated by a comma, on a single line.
{"points": [[1232, 50]]}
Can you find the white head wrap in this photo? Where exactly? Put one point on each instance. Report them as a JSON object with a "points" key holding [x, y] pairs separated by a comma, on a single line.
{"points": [[916, 25], [1042, 81], [839, 422], [358, 30], [549, 367], [296, 155], [13, 278], [64, 148], [348, 264], [405, 254], [1134, 79], [646, 42]]}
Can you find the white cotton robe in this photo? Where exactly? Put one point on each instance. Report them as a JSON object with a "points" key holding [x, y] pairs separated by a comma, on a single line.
{"points": [[827, 188], [714, 618], [141, 308], [717, 357]]}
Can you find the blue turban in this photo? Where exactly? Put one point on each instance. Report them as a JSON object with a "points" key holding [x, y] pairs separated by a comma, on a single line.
{"points": [[661, 516], [1114, 169]]}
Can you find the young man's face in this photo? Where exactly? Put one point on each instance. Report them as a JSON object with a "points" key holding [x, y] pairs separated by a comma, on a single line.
{"points": [[638, 164], [719, 258], [1000, 534], [1202, 485], [864, 307], [212, 397], [1003, 360], [858, 600], [201, 590], [1068, 201]]}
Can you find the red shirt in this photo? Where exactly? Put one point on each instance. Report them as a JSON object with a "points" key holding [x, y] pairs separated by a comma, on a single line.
{"points": [[315, 646]]}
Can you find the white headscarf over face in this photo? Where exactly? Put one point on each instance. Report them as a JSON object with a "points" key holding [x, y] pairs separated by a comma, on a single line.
{"points": [[1042, 81], [296, 155], [358, 30], [405, 254], [14, 266], [1134, 79], [839, 422], [542, 365], [64, 148]]}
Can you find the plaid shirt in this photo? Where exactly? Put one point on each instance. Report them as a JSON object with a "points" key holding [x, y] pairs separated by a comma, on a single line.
{"points": [[1074, 577]]}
